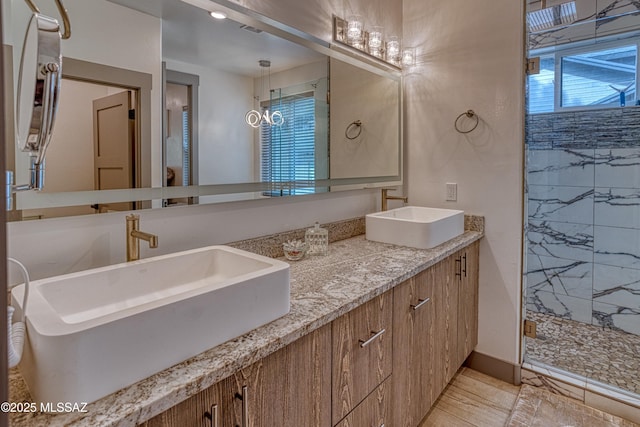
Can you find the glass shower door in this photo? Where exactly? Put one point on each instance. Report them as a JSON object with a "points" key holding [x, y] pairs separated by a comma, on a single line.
{"points": [[582, 237]]}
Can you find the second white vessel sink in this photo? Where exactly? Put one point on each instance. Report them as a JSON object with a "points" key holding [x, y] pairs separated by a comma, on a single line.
{"points": [[94, 332], [415, 226]]}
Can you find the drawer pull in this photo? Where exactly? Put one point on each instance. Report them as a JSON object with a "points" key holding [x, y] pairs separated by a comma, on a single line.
{"points": [[375, 335], [245, 406], [421, 302], [244, 398], [464, 268], [212, 416]]}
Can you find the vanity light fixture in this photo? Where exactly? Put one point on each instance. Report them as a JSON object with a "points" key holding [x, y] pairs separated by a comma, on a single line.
{"points": [[351, 32], [393, 50], [408, 56], [216, 14], [355, 31], [256, 118], [376, 41]]}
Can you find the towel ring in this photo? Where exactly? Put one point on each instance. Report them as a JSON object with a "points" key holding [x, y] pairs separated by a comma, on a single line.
{"points": [[357, 124], [469, 114]]}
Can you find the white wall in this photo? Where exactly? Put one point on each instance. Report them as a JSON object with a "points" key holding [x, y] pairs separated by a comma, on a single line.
{"points": [[470, 57]]}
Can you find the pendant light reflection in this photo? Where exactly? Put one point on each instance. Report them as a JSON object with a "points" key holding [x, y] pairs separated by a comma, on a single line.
{"points": [[255, 118]]}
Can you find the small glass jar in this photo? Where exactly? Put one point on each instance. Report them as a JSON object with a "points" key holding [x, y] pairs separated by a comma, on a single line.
{"points": [[294, 250], [317, 238]]}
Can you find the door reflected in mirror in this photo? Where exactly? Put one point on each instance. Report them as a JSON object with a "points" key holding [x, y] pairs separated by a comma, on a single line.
{"points": [[92, 147]]}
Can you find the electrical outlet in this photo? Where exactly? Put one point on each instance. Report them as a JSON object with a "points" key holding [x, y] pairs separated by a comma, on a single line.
{"points": [[452, 191]]}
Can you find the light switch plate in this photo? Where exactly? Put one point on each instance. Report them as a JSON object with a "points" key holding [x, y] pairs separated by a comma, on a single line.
{"points": [[452, 192]]}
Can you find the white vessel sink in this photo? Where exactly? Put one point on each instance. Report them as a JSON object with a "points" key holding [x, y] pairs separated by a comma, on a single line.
{"points": [[415, 226], [94, 332]]}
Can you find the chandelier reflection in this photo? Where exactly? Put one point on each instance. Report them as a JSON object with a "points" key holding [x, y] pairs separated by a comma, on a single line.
{"points": [[255, 118]]}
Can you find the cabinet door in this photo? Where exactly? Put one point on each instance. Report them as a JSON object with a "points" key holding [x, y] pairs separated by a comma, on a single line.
{"points": [[374, 411], [211, 407], [445, 345], [362, 353], [467, 278], [291, 387], [413, 348]]}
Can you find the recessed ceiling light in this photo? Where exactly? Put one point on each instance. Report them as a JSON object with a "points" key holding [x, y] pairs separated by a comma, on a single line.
{"points": [[218, 15]]}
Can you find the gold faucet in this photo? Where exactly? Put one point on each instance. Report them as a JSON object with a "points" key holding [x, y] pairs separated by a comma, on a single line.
{"points": [[386, 197], [134, 236]]}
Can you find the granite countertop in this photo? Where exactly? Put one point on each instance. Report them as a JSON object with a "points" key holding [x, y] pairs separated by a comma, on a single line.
{"points": [[322, 289]]}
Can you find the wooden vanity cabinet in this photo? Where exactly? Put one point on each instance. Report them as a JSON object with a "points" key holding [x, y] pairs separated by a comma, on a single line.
{"points": [[425, 337], [289, 387], [362, 353], [435, 329]]}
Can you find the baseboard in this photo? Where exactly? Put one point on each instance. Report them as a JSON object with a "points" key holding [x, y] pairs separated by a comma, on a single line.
{"points": [[493, 367]]}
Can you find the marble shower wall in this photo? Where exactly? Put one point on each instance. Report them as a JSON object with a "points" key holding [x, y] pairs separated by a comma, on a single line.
{"points": [[583, 208]]}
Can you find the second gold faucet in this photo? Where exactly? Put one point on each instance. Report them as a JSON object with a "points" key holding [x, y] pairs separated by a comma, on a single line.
{"points": [[134, 235], [386, 197]]}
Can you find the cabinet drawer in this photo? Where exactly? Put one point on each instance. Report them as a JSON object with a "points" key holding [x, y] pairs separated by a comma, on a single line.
{"points": [[362, 353], [374, 411]]}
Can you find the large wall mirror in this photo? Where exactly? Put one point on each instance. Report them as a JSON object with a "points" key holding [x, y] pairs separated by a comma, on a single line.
{"points": [[163, 105]]}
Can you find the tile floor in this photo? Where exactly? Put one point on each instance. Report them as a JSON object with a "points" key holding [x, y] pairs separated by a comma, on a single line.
{"points": [[473, 399]]}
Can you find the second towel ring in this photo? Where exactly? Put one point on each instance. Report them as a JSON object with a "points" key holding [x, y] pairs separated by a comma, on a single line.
{"points": [[469, 114], [356, 123]]}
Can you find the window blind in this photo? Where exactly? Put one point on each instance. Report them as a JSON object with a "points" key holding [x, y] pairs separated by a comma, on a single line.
{"points": [[186, 147], [288, 151]]}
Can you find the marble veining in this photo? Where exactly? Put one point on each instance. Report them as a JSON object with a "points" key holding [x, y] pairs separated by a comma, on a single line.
{"points": [[561, 204], [583, 234], [322, 289]]}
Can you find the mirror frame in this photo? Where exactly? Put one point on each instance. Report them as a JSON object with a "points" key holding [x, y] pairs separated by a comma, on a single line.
{"points": [[153, 196]]}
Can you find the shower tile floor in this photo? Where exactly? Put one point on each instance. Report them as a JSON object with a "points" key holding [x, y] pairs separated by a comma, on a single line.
{"points": [[608, 356]]}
